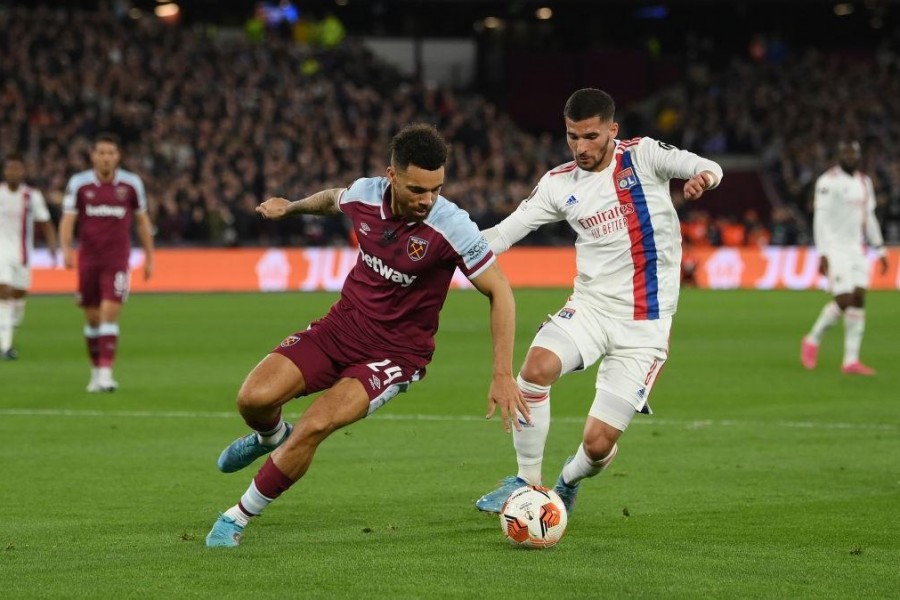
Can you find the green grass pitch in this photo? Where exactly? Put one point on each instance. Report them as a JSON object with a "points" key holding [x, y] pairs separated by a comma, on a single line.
{"points": [[754, 479]]}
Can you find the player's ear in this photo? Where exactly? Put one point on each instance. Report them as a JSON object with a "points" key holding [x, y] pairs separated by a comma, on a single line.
{"points": [[614, 129]]}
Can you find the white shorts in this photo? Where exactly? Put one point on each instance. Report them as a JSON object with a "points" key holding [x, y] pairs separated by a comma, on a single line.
{"points": [[633, 354], [15, 274], [847, 272]]}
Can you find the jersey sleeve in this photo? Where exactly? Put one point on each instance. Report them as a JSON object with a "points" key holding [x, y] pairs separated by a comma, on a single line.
{"points": [[666, 162], [351, 192], [70, 198], [872, 227], [39, 205], [821, 214], [470, 250], [536, 210], [140, 195]]}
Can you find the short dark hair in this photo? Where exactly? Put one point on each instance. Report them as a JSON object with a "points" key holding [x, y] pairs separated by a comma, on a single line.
{"points": [[15, 157], [109, 137], [421, 145], [588, 103]]}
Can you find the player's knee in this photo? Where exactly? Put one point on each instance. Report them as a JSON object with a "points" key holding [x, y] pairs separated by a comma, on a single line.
{"points": [[253, 397], [539, 373], [598, 447]]}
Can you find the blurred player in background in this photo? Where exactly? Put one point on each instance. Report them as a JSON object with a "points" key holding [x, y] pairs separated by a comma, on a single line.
{"points": [[379, 337], [104, 201], [615, 195], [844, 212], [20, 207]]}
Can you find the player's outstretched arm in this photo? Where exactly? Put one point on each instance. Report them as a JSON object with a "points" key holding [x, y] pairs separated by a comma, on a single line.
{"points": [[50, 237], [504, 391], [320, 203], [145, 236], [66, 233]]}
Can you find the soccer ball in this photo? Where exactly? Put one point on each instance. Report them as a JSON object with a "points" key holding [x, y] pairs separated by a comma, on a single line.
{"points": [[533, 517]]}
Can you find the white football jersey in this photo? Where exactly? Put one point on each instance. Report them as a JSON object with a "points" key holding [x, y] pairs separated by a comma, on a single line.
{"points": [[18, 211], [628, 249], [844, 213]]}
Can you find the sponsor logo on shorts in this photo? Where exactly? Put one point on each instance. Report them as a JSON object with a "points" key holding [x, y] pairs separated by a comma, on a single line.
{"points": [[567, 313], [375, 382], [641, 392], [290, 341]]}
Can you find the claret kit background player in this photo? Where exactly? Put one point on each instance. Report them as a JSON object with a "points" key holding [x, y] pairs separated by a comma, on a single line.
{"points": [[104, 201]]}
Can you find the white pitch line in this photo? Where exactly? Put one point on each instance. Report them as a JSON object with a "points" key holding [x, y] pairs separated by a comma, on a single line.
{"points": [[688, 424]]}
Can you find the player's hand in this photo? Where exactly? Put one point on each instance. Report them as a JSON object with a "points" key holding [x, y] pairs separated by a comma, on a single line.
{"points": [[68, 258], [823, 265], [274, 208], [696, 185], [148, 267], [883, 265], [505, 393]]}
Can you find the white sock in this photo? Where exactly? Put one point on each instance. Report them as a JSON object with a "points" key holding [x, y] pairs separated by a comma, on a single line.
{"points": [[582, 466], [529, 443], [240, 517], [6, 325], [18, 311], [267, 438], [104, 373], [251, 505], [854, 327], [830, 314]]}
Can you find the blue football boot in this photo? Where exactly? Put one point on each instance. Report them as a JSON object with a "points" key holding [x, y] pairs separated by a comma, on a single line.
{"points": [[243, 451], [566, 492], [225, 533], [493, 501]]}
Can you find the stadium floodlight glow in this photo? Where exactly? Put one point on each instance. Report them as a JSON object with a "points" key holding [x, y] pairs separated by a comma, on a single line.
{"points": [[544, 13], [342, 2], [493, 23], [844, 9], [167, 11]]}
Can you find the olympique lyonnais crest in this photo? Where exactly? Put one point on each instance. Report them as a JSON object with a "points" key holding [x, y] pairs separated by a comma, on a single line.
{"points": [[416, 248], [625, 179]]}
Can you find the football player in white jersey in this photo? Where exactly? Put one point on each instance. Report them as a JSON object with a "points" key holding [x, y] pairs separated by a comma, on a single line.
{"points": [[20, 206], [844, 212], [615, 196]]}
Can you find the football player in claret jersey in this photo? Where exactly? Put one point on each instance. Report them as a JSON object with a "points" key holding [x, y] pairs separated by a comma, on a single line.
{"points": [[615, 196], [104, 201], [378, 338], [20, 206], [844, 213]]}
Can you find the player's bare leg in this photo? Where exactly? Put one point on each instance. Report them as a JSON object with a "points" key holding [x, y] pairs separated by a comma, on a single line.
{"points": [[344, 403], [6, 323], [829, 315], [18, 303], [854, 328], [541, 370], [597, 449]]}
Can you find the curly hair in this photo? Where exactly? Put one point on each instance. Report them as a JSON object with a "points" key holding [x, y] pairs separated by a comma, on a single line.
{"points": [[421, 145]]}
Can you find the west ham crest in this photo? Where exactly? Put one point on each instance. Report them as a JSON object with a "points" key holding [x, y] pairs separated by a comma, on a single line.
{"points": [[416, 248]]}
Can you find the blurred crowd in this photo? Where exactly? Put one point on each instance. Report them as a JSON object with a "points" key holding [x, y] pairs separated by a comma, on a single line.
{"points": [[791, 108], [215, 126]]}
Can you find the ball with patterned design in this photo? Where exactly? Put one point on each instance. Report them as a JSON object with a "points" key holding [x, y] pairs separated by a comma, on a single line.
{"points": [[533, 517]]}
